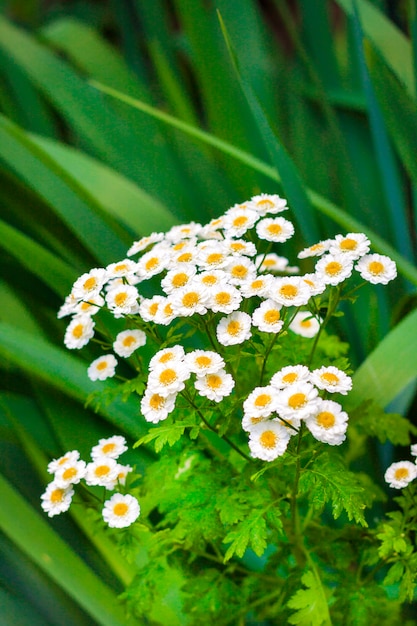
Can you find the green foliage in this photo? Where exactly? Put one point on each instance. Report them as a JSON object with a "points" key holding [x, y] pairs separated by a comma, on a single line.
{"points": [[311, 602]]}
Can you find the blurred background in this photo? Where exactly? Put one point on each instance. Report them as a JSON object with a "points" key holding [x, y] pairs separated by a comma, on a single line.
{"points": [[119, 118]]}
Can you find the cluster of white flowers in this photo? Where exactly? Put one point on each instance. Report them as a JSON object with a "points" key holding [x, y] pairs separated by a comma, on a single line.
{"points": [[120, 510], [273, 413], [216, 269], [400, 474]]}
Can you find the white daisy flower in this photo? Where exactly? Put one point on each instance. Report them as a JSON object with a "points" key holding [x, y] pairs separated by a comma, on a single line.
{"points": [[166, 312], [69, 307], [331, 379], [89, 284], [145, 242], [155, 407], [376, 268], [267, 317], [215, 386], [66, 459], [413, 449], [183, 231], [178, 277], [268, 440], [79, 332], [124, 470], [168, 379], [329, 423], [212, 278], [275, 229], [290, 291], [239, 247], [268, 203], [400, 474], [240, 270], [354, 245], [260, 402], [70, 474], [259, 286], [56, 500], [213, 256], [121, 510], [315, 285], [238, 220], [289, 375], [103, 367], [304, 324], [122, 300], [203, 362], [298, 400], [111, 446], [272, 263], [234, 329], [103, 472], [151, 263], [333, 269], [122, 269], [188, 254], [148, 308], [90, 307], [316, 249], [128, 341], [189, 300], [167, 356], [224, 299], [249, 421]]}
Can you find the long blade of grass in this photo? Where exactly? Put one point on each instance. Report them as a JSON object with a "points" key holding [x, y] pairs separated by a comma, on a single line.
{"points": [[322, 204]]}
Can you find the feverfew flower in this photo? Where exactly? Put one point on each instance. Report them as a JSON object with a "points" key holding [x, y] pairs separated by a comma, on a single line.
{"points": [[304, 324], [268, 440], [89, 284], [234, 329], [290, 291], [112, 447], [331, 379], [249, 421], [156, 407], [145, 242], [289, 375], [259, 286], [299, 400], [400, 474], [333, 269], [189, 300], [215, 386], [70, 474], [148, 308], [240, 270], [268, 203], [239, 247], [121, 510], [275, 229], [203, 362], [260, 402], [183, 231], [376, 268], [128, 341], [178, 277], [329, 423], [224, 299], [56, 499], [122, 269], [272, 263], [103, 472], [122, 300], [168, 379], [151, 264], [316, 249], [315, 285], [238, 220], [212, 256], [67, 458], [102, 368], [90, 306], [79, 332], [175, 354], [354, 245], [267, 317], [211, 278]]}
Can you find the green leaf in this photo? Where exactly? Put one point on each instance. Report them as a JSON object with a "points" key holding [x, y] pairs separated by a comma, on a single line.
{"points": [[249, 533], [310, 603], [167, 434], [370, 419]]}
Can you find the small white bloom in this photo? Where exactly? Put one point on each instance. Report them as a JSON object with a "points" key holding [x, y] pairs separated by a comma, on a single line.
{"points": [[212, 278], [148, 308], [65, 459], [122, 300], [128, 341], [103, 367], [124, 470], [212, 256], [79, 332], [156, 407], [215, 386], [103, 472], [90, 306], [112, 447], [328, 423], [70, 474], [178, 277], [298, 400], [316, 249], [273, 263], [203, 362], [184, 257], [189, 300], [166, 312], [238, 220], [331, 379], [354, 245], [249, 421], [168, 379], [234, 329], [289, 375], [290, 291], [305, 324], [69, 307], [315, 284], [145, 242], [259, 286], [333, 269], [413, 449], [275, 229], [240, 270], [260, 402], [167, 356], [151, 263], [183, 231], [121, 510], [400, 474], [376, 268], [239, 247], [89, 284], [121, 269], [224, 299], [267, 317], [268, 203], [268, 440], [56, 500]]}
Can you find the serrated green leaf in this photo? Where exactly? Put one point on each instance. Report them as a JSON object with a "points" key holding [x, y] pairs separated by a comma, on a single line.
{"points": [[250, 533], [311, 603]]}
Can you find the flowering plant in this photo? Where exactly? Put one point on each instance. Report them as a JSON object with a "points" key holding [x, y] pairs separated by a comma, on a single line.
{"points": [[251, 511]]}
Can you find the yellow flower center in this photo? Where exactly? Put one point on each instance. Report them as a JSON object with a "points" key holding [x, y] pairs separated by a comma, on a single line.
{"points": [[203, 361], [152, 263], [77, 331], [102, 470], [265, 203], [376, 268], [290, 378], [257, 284], [237, 246], [168, 376], [108, 447], [120, 509], [223, 298], [180, 279], [209, 280], [165, 358], [191, 299], [268, 439], [348, 244], [316, 247], [90, 283], [120, 298], [401, 473], [263, 400], [268, 262], [239, 271], [306, 323], [288, 291], [168, 310], [214, 257], [128, 341], [240, 221], [156, 402], [213, 381], [101, 365], [69, 473], [234, 327], [153, 309], [274, 229], [179, 246], [272, 316], [297, 400], [185, 258], [333, 268], [121, 267], [329, 378], [325, 419], [57, 495]]}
